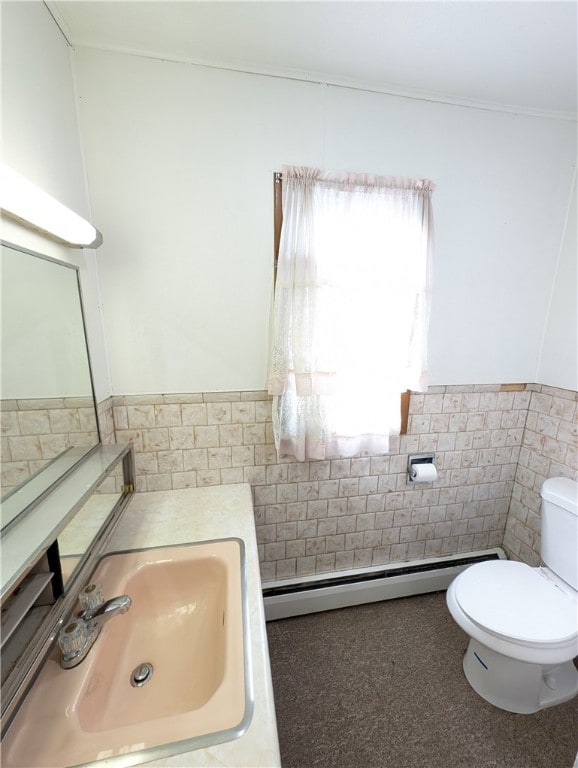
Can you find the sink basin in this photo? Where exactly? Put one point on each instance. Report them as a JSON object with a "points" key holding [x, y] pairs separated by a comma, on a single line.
{"points": [[188, 623]]}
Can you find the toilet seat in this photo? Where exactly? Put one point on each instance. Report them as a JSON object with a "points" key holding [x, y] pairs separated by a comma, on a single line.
{"points": [[513, 602]]}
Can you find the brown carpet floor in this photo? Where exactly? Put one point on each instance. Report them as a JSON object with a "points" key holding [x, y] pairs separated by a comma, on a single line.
{"points": [[381, 686]]}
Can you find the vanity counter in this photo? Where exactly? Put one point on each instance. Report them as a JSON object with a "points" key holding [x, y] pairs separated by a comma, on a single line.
{"points": [[162, 518]]}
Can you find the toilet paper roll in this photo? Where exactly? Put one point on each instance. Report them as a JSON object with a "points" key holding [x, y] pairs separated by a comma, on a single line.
{"points": [[424, 473]]}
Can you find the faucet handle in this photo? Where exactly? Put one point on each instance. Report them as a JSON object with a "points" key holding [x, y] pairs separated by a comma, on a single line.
{"points": [[72, 639], [91, 597]]}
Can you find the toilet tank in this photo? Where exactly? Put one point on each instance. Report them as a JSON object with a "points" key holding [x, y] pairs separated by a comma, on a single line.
{"points": [[560, 528]]}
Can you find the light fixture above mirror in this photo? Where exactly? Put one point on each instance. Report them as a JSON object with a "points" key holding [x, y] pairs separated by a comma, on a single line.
{"points": [[28, 204]]}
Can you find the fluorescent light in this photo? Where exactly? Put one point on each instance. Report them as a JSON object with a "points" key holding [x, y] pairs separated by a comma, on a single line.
{"points": [[29, 204]]}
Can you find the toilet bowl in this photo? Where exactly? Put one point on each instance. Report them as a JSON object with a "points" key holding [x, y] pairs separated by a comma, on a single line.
{"points": [[523, 621], [523, 631]]}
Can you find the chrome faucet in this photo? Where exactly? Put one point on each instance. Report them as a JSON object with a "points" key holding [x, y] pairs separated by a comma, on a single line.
{"points": [[78, 637], [108, 610]]}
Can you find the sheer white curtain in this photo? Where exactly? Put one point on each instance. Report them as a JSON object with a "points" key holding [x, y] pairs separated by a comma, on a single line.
{"points": [[351, 310]]}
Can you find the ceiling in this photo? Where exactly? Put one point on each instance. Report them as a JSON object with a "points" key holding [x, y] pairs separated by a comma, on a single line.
{"points": [[513, 55]]}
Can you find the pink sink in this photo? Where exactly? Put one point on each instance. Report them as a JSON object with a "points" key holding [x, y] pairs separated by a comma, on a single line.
{"points": [[188, 622]]}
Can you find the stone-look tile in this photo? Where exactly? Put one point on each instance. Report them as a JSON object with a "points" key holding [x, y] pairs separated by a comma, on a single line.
{"points": [[263, 410], [336, 507], [146, 464], [298, 472], [276, 513], [86, 419], [325, 563], [295, 548], [547, 450], [170, 461], [140, 400], [159, 482], [340, 468], [9, 423], [64, 420], [276, 473], [49, 404], [168, 415], [265, 454], [243, 456], [254, 434], [494, 446], [256, 395], [53, 445], [106, 421], [36, 431], [206, 437], [194, 414], [231, 475], [264, 494], [243, 413], [221, 397], [208, 477], [140, 416], [254, 475], [180, 437], [25, 448], [156, 439], [183, 398], [219, 413], [305, 566], [286, 569], [219, 458], [230, 434], [34, 422], [195, 458]]}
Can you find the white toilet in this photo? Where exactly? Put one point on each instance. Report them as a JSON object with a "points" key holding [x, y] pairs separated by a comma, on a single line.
{"points": [[523, 621]]}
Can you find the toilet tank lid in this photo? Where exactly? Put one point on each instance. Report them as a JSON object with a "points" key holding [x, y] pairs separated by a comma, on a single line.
{"points": [[561, 491]]}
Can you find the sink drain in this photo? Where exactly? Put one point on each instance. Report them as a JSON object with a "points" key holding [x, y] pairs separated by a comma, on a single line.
{"points": [[141, 674]]}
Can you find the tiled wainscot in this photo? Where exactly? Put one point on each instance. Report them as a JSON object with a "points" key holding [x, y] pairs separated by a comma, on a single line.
{"points": [[35, 431], [494, 445]]}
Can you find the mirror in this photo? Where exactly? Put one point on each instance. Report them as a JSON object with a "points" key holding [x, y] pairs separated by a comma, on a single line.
{"points": [[63, 490], [47, 405]]}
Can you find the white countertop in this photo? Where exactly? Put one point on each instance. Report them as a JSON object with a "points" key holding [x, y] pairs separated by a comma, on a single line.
{"points": [[196, 514]]}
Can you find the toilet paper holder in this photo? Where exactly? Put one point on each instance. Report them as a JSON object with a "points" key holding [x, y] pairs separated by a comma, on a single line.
{"points": [[415, 459]]}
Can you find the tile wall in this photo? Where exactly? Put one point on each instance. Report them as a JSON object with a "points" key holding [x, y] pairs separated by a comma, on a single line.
{"points": [[106, 421], [494, 447], [320, 516], [35, 431], [549, 449]]}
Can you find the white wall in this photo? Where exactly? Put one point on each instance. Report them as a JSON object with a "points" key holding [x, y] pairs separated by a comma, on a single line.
{"points": [[40, 140], [180, 161], [559, 361]]}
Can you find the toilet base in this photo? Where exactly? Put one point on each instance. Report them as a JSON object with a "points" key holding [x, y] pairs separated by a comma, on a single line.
{"points": [[518, 686]]}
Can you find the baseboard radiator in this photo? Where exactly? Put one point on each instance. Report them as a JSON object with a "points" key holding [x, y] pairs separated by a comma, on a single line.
{"points": [[295, 597]]}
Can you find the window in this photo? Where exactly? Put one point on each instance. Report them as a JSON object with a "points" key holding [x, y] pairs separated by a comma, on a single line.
{"points": [[351, 310]]}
